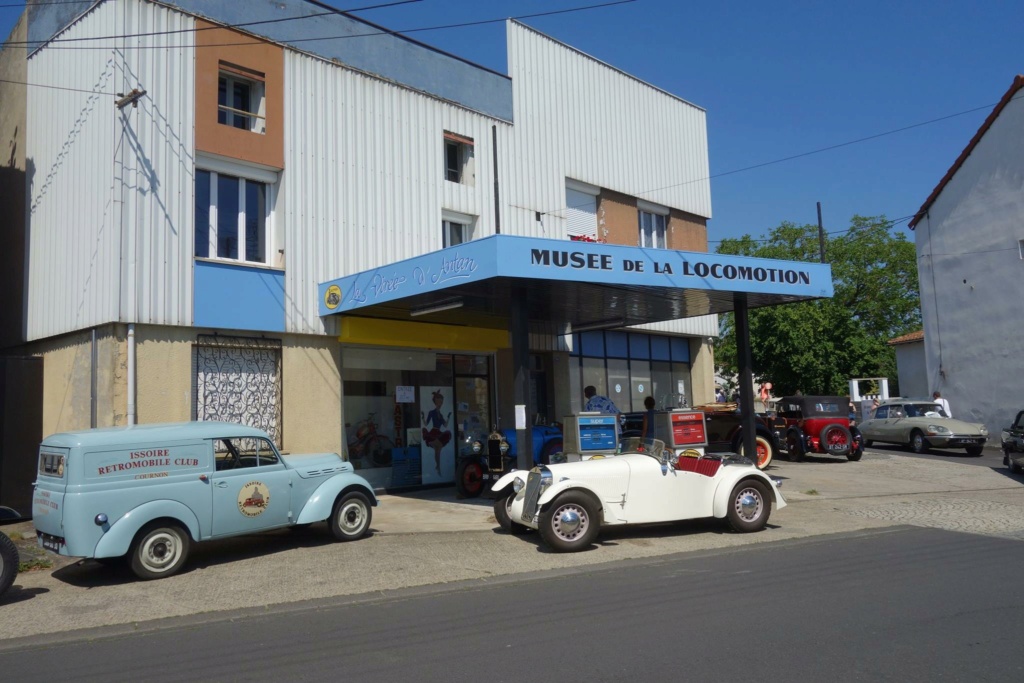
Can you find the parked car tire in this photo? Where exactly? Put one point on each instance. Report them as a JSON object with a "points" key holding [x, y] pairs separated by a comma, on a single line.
{"points": [[8, 562], [570, 522], [749, 506], [855, 455], [765, 452], [550, 448], [502, 514], [794, 449], [918, 443], [159, 550], [837, 436], [351, 516], [469, 478], [1015, 469], [869, 443], [975, 451]]}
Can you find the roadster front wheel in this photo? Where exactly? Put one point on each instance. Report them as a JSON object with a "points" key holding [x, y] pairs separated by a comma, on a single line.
{"points": [[749, 507], [503, 513], [570, 523]]}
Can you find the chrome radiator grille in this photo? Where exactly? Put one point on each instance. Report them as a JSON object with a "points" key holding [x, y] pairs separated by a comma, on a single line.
{"points": [[532, 494]]}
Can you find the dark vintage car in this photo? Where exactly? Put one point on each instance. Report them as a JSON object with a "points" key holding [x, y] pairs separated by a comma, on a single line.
{"points": [[724, 429], [817, 424], [485, 458], [1012, 439], [8, 562]]}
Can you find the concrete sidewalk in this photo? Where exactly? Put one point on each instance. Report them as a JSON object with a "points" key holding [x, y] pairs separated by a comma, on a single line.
{"points": [[429, 538]]}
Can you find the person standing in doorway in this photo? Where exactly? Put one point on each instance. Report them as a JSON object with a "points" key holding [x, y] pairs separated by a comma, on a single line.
{"points": [[599, 404], [943, 403], [648, 427]]}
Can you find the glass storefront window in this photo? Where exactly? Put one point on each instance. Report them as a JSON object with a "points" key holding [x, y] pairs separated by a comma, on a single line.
{"points": [[593, 375], [618, 384], [640, 383], [681, 381], [661, 383]]}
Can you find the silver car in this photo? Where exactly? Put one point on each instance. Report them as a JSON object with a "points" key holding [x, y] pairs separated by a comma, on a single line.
{"points": [[922, 425]]}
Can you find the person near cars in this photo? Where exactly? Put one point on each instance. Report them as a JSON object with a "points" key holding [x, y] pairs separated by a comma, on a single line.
{"points": [[598, 403], [943, 403], [648, 426]]}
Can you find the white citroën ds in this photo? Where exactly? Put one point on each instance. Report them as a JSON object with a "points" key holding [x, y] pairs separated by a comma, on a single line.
{"points": [[569, 503]]}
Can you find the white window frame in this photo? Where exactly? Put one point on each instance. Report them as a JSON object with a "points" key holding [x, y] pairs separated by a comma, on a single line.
{"points": [[659, 216], [450, 219], [257, 102], [217, 167]]}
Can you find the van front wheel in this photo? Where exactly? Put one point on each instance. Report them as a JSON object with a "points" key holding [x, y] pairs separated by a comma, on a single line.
{"points": [[159, 550]]}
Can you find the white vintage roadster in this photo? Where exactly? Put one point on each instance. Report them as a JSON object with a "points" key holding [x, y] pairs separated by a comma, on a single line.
{"points": [[569, 503]]}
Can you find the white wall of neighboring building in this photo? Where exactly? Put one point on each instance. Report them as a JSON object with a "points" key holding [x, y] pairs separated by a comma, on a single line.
{"points": [[972, 278], [913, 372]]}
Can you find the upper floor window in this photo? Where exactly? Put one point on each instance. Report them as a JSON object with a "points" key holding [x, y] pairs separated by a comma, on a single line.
{"points": [[581, 210], [458, 159], [241, 100], [653, 220], [456, 228], [231, 219]]}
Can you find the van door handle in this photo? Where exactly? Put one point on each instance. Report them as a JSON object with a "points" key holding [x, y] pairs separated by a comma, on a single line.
{"points": [[221, 484]]}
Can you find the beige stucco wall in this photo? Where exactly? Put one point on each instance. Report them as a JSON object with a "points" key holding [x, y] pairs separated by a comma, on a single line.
{"points": [[311, 375], [163, 375], [67, 375]]}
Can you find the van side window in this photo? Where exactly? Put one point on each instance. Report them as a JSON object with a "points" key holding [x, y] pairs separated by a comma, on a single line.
{"points": [[244, 452]]}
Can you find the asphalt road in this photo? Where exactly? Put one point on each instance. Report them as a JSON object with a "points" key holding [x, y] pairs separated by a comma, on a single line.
{"points": [[991, 457], [897, 604]]}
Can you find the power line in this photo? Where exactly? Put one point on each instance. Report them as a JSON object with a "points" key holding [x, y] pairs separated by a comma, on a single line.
{"points": [[331, 12], [886, 225], [55, 87], [384, 32]]}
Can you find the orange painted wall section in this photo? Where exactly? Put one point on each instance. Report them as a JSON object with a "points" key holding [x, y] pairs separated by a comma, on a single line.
{"points": [[617, 219], [686, 232], [215, 138]]}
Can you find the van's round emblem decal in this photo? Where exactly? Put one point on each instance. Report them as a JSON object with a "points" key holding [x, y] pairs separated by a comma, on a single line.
{"points": [[253, 499], [332, 297]]}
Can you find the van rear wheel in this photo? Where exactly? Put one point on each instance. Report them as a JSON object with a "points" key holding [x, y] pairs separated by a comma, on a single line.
{"points": [[159, 550]]}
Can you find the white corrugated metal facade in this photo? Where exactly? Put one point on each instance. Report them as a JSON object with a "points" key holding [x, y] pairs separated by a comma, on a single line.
{"points": [[363, 182], [110, 192]]}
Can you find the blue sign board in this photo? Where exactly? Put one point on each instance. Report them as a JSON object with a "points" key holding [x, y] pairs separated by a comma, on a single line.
{"points": [[598, 433], [562, 260]]}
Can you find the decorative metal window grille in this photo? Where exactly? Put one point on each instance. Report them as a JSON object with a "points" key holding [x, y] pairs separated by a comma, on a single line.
{"points": [[238, 379]]}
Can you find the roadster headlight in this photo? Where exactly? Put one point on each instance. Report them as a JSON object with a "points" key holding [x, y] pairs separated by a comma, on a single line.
{"points": [[518, 484], [503, 447], [938, 429], [546, 480], [477, 446]]}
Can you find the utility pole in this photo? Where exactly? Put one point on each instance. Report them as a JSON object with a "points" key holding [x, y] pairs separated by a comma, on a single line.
{"points": [[821, 235]]}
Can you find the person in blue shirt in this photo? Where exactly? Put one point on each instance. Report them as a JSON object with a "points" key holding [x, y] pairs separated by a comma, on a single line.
{"points": [[599, 404]]}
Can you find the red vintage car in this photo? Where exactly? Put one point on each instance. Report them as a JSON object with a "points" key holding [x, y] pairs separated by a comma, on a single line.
{"points": [[817, 424]]}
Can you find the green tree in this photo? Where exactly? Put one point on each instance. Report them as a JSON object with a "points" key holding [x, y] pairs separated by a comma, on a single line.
{"points": [[817, 346]]}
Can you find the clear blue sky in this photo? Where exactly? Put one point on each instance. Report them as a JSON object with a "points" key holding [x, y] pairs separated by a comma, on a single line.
{"points": [[778, 79]]}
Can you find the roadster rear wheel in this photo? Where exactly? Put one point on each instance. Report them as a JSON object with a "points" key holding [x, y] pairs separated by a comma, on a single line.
{"points": [[749, 506], [570, 523]]}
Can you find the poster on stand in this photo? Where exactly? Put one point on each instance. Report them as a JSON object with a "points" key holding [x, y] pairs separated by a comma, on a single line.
{"points": [[438, 448]]}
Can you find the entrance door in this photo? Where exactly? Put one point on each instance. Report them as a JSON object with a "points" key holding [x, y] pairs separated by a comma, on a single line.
{"points": [[472, 398]]}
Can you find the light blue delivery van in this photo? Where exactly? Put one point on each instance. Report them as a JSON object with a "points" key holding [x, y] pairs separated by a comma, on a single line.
{"points": [[147, 492]]}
